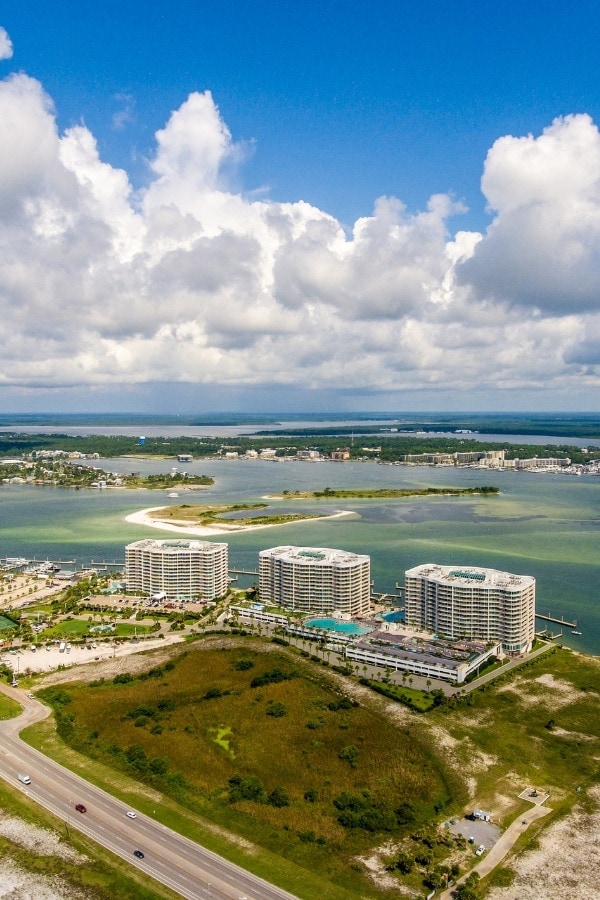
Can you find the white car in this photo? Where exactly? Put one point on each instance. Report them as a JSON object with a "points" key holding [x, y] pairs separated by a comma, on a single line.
{"points": [[31, 696], [131, 815], [480, 850]]}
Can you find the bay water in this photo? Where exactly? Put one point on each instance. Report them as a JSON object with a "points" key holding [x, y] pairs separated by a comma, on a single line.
{"points": [[543, 525]]}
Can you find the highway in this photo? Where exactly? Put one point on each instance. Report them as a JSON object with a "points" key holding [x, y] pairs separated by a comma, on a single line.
{"points": [[175, 861]]}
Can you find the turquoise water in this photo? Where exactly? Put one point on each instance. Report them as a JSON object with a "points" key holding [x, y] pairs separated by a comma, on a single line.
{"points": [[335, 625], [393, 616], [547, 526]]}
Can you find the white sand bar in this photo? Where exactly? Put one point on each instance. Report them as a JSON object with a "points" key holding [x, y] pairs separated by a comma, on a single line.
{"points": [[146, 517]]}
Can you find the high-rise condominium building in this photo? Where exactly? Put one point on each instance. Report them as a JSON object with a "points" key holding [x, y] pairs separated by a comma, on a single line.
{"points": [[315, 580], [463, 602], [183, 570]]}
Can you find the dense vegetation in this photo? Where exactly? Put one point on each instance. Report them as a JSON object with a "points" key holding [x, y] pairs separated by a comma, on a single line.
{"points": [[387, 493]]}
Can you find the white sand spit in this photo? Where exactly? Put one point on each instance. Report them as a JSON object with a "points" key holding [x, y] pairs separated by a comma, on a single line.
{"points": [[145, 517]]}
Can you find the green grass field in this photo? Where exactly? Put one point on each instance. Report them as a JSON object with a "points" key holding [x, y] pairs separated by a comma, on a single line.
{"points": [[281, 763]]}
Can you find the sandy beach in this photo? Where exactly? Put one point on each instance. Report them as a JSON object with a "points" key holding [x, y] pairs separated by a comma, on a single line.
{"points": [[146, 517]]}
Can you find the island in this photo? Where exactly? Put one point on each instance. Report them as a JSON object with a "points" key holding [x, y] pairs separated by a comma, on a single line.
{"points": [[210, 520], [381, 493]]}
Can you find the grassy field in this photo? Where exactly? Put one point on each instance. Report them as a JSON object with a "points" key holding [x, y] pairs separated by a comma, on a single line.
{"points": [[265, 745], [8, 708], [288, 762]]}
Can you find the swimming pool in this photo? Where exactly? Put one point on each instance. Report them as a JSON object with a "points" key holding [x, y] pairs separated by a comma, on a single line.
{"points": [[336, 625], [394, 616]]}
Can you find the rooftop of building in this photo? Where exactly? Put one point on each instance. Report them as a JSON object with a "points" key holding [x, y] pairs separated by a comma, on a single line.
{"points": [[324, 556], [470, 576], [451, 654], [173, 546]]}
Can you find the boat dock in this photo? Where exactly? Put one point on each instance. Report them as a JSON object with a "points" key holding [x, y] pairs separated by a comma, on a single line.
{"points": [[387, 599], [547, 635], [556, 620]]}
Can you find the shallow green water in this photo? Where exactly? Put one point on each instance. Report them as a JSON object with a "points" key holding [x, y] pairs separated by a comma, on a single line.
{"points": [[547, 526]]}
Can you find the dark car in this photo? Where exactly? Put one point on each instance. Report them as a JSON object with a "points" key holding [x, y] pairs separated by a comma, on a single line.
{"points": [[138, 853], [80, 808]]}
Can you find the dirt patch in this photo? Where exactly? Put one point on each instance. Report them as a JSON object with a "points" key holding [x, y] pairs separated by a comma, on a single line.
{"points": [[565, 864], [40, 841], [18, 884], [549, 690]]}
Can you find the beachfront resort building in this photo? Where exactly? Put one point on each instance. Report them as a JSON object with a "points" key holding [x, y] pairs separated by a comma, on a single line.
{"points": [[457, 602], [177, 569], [315, 580]]}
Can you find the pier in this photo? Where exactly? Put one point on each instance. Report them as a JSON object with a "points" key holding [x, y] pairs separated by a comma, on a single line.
{"points": [[548, 636], [394, 599], [556, 620]]}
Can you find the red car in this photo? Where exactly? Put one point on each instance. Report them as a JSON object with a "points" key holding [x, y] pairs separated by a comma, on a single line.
{"points": [[80, 808]]}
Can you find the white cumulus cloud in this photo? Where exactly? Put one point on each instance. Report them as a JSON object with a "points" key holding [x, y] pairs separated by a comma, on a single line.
{"points": [[191, 281], [6, 47]]}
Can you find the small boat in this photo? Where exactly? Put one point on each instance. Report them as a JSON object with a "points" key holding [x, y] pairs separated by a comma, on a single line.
{"points": [[173, 494], [573, 631]]}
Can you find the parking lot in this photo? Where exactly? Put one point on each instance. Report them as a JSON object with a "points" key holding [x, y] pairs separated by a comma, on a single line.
{"points": [[485, 833]]}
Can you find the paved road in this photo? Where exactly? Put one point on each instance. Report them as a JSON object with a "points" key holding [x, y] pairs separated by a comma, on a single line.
{"points": [[182, 865]]}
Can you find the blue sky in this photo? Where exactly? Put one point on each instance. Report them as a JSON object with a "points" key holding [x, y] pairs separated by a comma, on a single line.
{"points": [[311, 113], [339, 102]]}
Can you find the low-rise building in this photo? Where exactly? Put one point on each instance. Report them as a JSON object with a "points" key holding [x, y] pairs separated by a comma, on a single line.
{"points": [[448, 661]]}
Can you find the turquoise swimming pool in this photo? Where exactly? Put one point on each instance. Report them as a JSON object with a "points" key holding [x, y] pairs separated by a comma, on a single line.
{"points": [[395, 616], [337, 625]]}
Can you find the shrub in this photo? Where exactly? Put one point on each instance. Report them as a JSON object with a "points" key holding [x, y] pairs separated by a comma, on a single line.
{"points": [[350, 754], [362, 811], [249, 788], [242, 665], [213, 693], [271, 676], [279, 798], [276, 709], [404, 863], [159, 765], [313, 724]]}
